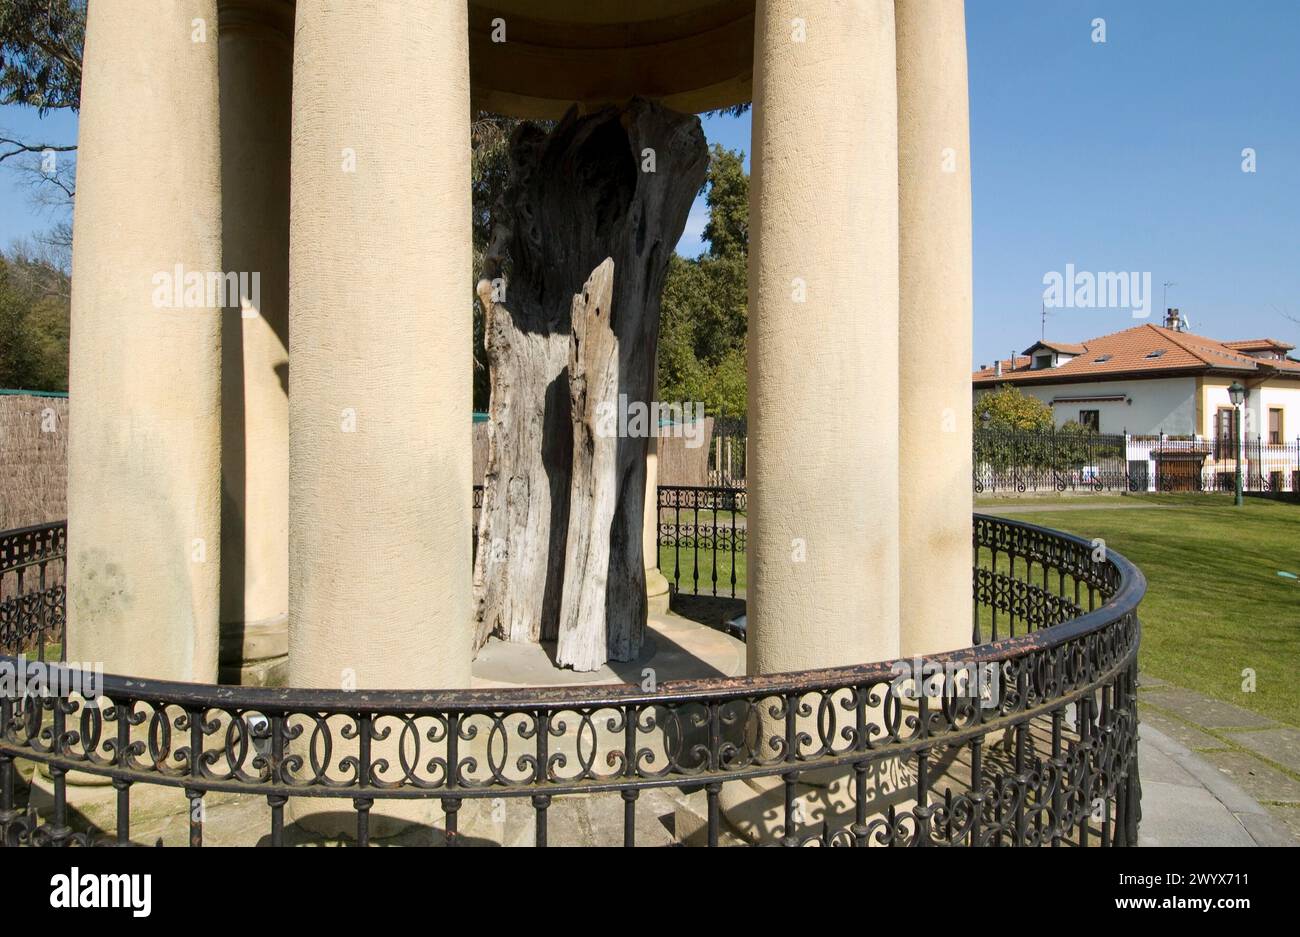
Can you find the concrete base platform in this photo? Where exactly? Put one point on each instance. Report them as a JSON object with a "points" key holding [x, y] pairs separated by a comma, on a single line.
{"points": [[675, 649]]}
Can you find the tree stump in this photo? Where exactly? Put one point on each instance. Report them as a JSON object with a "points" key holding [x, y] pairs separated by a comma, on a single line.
{"points": [[600, 201]]}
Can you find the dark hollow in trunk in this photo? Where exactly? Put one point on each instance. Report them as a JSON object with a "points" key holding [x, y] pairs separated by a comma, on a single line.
{"points": [[581, 240]]}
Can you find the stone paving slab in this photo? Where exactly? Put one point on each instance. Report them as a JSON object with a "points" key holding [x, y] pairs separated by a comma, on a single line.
{"points": [[1187, 802], [1174, 815], [1281, 745], [1288, 817], [1188, 735], [1200, 710], [1260, 780]]}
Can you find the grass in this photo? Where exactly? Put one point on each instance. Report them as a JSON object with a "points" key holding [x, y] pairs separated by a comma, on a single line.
{"points": [[687, 557], [1215, 603]]}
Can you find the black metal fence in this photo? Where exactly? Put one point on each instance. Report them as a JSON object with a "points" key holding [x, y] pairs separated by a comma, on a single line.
{"points": [[727, 452], [702, 539], [1061, 460], [1041, 749], [32, 567]]}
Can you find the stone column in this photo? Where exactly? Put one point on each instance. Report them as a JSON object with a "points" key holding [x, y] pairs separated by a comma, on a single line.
{"points": [[256, 84], [823, 337], [144, 461], [935, 321], [656, 585], [379, 341]]}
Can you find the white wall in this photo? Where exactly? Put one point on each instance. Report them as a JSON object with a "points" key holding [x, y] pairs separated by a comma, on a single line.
{"points": [[1159, 405]]}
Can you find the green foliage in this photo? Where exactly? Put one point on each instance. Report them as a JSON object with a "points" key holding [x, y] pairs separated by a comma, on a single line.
{"points": [[40, 53], [728, 200], [34, 314], [490, 136], [1008, 408], [703, 317], [1021, 433]]}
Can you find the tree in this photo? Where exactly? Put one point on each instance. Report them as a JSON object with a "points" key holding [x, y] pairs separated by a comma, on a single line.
{"points": [[40, 53], [702, 337], [33, 323], [571, 288], [1009, 409], [41, 45]]}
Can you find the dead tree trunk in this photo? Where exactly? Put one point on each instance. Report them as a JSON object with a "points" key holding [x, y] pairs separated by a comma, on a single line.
{"points": [[593, 492], [612, 188]]}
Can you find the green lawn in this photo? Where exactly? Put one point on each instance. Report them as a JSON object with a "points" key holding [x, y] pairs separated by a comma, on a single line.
{"points": [[1215, 603], [687, 557]]}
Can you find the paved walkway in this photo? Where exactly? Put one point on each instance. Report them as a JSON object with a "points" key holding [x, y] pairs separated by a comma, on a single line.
{"points": [[1214, 774], [1081, 505]]}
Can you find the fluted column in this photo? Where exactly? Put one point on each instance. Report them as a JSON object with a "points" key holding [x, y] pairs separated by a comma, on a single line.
{"points": [[823, 337], [935, 319], [256, 83], [379, 412], [144, 473]]}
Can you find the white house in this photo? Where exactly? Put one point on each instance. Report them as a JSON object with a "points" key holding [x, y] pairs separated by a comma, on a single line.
{"points": [[1154, 379], [1152, 383]]}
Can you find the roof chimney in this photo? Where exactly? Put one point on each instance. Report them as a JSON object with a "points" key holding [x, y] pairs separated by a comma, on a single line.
{"points": [[1173, 320], [997, 368]]}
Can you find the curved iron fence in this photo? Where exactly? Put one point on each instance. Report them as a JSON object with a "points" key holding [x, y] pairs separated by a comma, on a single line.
{"points": [[32, 561], [1028, 738]]}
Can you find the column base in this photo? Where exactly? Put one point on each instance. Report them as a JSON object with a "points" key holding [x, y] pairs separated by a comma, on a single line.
{"points": [[755, 807], [656, 587], [255, 653]]}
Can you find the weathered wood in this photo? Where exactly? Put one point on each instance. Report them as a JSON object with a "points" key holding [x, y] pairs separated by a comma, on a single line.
{"points": [[616, 185], [593, 493]]}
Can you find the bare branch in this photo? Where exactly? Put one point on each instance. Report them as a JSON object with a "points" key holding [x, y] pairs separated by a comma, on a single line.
{"points": [[18, 148]]}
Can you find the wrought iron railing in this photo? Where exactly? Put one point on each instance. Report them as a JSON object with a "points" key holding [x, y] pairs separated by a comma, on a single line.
{"points": [[1041, 750], [31, 590], [1031, 461], [701, 536]]}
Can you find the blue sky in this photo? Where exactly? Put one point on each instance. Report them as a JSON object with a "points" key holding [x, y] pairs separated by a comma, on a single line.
{"points": [[1122, 156]]}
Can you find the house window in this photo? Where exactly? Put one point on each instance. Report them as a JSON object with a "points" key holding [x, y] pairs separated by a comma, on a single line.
{"points": [[1275, 426], [1091, 420], [1042, 361], [1225, 433]]}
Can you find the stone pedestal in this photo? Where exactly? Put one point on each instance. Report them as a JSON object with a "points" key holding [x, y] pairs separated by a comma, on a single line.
{"points": [[656, 584]]}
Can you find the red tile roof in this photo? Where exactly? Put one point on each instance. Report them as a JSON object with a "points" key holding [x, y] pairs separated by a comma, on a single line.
{"points": [[1065, 348], [1259, 344], [1141, 351]]}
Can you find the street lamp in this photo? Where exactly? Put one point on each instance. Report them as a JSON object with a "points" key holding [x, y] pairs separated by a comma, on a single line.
{"points": [[1237, 393]]}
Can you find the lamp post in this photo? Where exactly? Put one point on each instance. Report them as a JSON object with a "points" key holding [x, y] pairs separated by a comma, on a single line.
{"points": [[1237, 393]]}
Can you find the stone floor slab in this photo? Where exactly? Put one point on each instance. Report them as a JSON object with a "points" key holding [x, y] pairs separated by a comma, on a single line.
{"points": [[1280, 745], [1175, 728], [1199, 709], [1258, 779], [1173, 815]]}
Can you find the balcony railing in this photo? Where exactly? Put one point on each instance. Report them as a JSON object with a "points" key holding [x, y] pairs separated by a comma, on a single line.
{"points": [[1027, 738]]}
